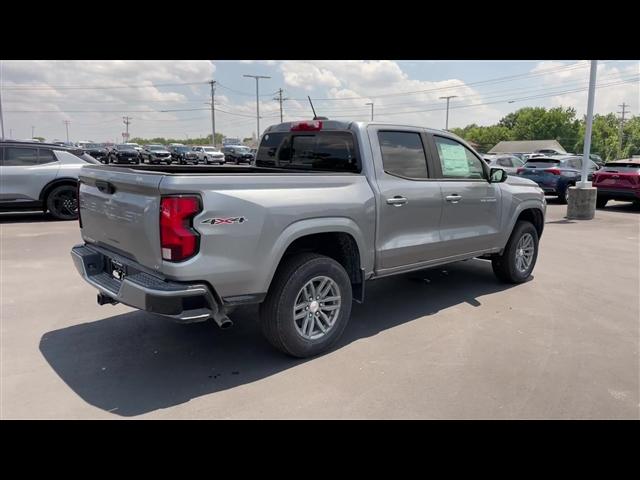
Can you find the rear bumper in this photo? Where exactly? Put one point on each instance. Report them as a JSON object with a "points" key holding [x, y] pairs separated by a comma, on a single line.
{"points": [[183, 302], [619, 193]]}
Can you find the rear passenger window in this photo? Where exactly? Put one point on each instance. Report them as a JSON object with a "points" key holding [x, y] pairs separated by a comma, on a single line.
{"points": [[505, 162], [457, 161], [18, 156], [46, 156], [403, 154]]}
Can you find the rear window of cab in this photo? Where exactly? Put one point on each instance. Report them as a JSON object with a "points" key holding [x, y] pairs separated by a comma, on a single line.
{"points": [[324, 151]]}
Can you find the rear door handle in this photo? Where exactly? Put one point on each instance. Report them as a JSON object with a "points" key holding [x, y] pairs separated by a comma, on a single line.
{"points": [[455, 198], [397, 201]]}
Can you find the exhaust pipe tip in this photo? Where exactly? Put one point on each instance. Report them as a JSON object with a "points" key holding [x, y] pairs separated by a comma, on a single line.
{"points": [[226, 323], [223, 321]]}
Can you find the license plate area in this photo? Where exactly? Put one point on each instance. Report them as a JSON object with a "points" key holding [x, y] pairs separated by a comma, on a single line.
{"points": [[116, 269]]}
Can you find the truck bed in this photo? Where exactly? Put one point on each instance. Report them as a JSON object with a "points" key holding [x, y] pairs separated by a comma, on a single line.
{"points": [[215, 169]]}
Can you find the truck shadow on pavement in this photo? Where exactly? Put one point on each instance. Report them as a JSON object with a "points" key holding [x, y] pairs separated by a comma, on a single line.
{"points": [[136, 363]]}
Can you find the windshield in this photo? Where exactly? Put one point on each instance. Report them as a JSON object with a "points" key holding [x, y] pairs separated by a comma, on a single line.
{"points": [[125, 147], [155, 147], [93, 145], [210, 149], [182, 149]]}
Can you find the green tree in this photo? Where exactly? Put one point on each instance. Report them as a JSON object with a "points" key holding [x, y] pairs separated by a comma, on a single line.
{"points": [[538, 123], [485, 137]]}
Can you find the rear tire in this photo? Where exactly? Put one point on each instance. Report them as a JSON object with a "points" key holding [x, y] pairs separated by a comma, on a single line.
{"points": [[306, 336], [601, 202], [563, 196], [509, 266], [62, 202]]}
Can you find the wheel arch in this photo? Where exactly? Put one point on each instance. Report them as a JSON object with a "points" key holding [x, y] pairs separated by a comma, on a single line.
{"points": [[337, 238], [46, 190]]}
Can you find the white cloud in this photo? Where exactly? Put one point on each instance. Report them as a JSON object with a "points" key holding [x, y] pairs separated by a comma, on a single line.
{"points": [[340, 89]]}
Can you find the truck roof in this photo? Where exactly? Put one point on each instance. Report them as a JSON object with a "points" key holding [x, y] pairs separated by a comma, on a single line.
{"points": [[347, 124]]}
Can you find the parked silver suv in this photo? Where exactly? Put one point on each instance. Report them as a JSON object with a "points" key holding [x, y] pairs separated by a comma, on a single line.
{"points": [[39, 176]]}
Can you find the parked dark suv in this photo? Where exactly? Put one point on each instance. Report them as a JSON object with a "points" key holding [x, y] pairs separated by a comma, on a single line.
{"points": [[98, 151], [41, 176], [183, 154], [237, 154], [156, 154], [124, 153], [556, 174]]}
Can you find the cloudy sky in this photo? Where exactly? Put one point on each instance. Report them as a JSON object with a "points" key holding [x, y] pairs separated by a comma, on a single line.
{"points": [[170, 98]]}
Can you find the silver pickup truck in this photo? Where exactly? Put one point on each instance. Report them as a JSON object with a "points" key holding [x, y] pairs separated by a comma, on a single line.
{"points": [[327, 206]]}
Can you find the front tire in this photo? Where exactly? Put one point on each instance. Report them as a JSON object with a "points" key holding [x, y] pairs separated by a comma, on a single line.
{"points": [[519, 257], [308, 305], [62, 202]]}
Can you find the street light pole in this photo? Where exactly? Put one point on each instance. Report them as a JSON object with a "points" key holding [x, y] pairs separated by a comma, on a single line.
{"points": [[66, 123], [582, 199], [370, 103], [257, 77], [584, 183], [448, 98]]}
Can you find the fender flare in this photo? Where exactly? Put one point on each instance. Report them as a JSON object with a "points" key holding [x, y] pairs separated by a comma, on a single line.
{"points": [[525, 205], [312, 226]]}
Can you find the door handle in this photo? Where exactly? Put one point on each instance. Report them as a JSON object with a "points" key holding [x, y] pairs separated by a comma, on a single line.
{"points": [[105, 187], [397, 201], [455, 198]]}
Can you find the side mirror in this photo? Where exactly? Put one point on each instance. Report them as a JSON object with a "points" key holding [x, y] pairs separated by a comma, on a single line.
{"points": [[497, 175]]}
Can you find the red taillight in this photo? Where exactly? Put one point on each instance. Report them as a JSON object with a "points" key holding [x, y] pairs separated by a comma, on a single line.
{"points": [[553, 171], [178, 239], [520, 170], [308, 126]]}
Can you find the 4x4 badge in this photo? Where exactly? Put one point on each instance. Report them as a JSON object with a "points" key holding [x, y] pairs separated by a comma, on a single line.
{"points": [[225, 220]]}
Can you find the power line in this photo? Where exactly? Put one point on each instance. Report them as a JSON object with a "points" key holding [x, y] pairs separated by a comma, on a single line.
{"points": [[480, 82]]}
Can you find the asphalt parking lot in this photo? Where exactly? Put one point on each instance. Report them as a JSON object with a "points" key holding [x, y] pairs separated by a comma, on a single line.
{"points": [[449, 342]]}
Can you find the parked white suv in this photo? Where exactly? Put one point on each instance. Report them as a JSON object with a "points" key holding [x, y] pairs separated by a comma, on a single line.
{"points": [[209, 155]]}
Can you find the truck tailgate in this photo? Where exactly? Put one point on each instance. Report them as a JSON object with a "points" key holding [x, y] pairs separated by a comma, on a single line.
{"points": [[120, 210]]}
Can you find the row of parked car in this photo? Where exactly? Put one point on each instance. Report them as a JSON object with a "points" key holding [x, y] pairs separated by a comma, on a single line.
{"points": [[132, 153], [555, 173]]}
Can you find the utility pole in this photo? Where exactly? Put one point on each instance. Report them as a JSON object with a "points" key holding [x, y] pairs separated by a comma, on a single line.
{"points": [[371, 103], [257, 77], [280, 99], [622, 113], [213, 112], [448, 98], [126, 121], [32, 131], [66, 124]]}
